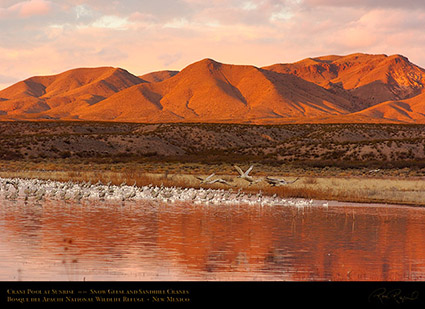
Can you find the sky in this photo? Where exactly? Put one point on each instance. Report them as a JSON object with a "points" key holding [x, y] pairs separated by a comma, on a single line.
{"points": [[45, 37]]}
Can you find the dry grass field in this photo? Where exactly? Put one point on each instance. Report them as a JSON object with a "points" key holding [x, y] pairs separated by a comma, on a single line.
{"points": [[333, 184], [381, 163]]}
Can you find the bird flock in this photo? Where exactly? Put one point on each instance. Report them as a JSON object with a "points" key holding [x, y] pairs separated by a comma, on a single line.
{"points": [[245, 176], [37, 190]]}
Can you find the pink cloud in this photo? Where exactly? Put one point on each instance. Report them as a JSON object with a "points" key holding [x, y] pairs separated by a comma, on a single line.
{"points": [[34, 7], [26, 9], [412, 4], [157, 35]]}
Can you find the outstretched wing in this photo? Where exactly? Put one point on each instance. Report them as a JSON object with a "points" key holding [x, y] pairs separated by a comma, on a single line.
{"points": [[272, 181], [249, 170], [239, 170], [220, 180], [209, 177], [293, 180]]}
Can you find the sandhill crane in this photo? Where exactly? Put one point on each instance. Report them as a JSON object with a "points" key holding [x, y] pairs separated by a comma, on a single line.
{"points": [[205, 180], [209, 180], [245, 175], [220, 180], [279, 182]]}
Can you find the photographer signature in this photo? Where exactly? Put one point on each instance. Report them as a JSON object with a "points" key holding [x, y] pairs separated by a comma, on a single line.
{"points": [[395, 295]]}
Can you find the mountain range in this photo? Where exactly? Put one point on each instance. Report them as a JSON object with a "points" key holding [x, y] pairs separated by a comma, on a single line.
{"points": [[329, 89]]}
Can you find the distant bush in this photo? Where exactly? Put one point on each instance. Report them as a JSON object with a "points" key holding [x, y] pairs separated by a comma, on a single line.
{"points": [[10, 155], [65, 154]]}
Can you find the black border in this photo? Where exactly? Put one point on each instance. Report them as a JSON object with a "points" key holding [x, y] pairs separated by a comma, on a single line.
{"points": [[202, 294]]}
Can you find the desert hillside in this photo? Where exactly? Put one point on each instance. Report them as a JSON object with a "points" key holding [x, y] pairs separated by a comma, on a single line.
{"points": [[63, 95], [314, 145], [365, 79], [329, 89]]}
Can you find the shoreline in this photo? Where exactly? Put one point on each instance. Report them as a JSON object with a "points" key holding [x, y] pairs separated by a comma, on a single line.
{"points": [[369, 163], [357, 189]]}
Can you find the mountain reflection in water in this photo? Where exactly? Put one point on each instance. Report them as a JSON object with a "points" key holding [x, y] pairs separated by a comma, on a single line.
{"points": [[182, 241]]}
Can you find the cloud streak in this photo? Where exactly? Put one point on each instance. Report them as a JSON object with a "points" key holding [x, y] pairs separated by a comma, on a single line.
{"points": [[405, 4], [48, 37], [26, 9]]}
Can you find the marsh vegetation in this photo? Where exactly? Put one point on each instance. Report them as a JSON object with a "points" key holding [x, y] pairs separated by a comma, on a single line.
{"points": [[351, 162]]}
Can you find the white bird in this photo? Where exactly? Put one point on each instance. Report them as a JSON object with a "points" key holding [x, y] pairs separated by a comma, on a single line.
{"points": [[78, 195], [13, 196], [102, 194], [374, 171], [279, 182]]}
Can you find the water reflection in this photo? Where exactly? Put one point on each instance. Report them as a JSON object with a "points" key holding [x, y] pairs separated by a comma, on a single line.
{"points": [[156, 241]]}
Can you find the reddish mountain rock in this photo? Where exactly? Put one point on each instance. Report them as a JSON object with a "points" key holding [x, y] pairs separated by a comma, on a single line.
{"points": [[158, 76], [363, 79], [64, 95], [352, 88]]}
